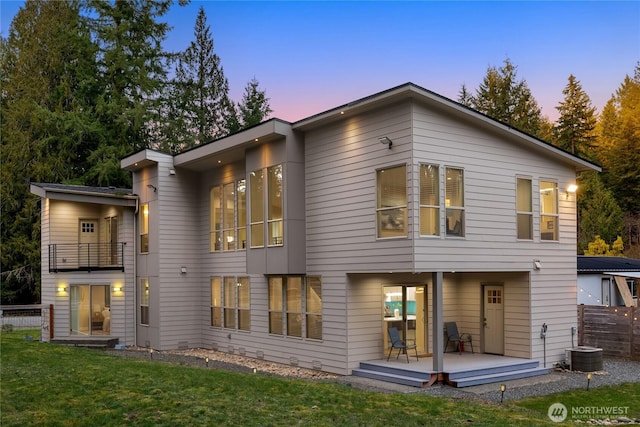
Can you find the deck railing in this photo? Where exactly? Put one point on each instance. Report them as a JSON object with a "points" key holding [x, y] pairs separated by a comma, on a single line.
{"points": [[86, 256]]}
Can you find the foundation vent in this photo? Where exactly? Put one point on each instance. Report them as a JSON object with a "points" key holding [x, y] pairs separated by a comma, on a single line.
{"points": [[293, 361], [316, 364], [183, 345], [231, 350], [242, 351], [260, 354]]}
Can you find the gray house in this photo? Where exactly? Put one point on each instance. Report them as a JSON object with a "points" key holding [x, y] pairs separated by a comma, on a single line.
{"points": [[303, 242], [608, 280]]}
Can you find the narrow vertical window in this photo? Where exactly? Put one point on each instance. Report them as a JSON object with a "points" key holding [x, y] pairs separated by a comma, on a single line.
{"points": [[454, 202], [241, 214], [144, 301], [314, 308], [392, 202], [144, 228], [294, 306], [548, 210], [230, 302], [256, 189], [228, 217], [275, 204], [215, 238], [216, 302], [524, 209], [244, 304], [276, 306], [429, 200]]}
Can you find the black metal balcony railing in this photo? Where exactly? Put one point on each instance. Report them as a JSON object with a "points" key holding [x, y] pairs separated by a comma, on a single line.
{"points": [[86, 257]]}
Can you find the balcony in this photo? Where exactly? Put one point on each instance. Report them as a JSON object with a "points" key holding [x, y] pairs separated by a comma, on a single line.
{"points": [[86, 257]]}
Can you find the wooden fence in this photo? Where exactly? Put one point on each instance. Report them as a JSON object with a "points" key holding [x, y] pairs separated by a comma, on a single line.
{"points": [[616, 330]]}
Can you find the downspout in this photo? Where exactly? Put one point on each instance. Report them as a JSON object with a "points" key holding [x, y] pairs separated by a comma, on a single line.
{"points": [[135, 268]]}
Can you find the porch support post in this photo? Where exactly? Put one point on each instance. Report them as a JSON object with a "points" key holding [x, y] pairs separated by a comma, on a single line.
{"points": [[438, 325]]}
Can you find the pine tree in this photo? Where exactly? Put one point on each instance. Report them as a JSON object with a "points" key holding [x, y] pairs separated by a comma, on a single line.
{"points": [[201, 91], [254, 107], [49, 127], [599, 215], [504, 98], [575, 129]]}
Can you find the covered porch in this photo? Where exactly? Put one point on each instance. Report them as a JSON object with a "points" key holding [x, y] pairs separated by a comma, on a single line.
{"points": [[459, 369]]}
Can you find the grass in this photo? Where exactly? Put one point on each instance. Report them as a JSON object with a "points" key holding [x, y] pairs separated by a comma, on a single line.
{"points": [[44, 384]]}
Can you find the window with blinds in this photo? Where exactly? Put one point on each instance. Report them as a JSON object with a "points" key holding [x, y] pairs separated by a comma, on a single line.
{"points": [[391, 208]]}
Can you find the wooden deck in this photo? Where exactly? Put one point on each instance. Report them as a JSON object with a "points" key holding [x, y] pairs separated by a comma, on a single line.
{"points": [[460, 370], [93, 341]]}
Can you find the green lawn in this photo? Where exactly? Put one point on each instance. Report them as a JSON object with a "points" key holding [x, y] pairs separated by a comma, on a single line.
{"points": [[44, 384]]}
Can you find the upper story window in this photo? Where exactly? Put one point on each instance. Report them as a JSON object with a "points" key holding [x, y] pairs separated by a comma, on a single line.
{"points": [[429, 200], [275, 205], [548, 210], [454, 201], [524, 208], [144, 228], [228, 217], [256, 191], [391, 210]]}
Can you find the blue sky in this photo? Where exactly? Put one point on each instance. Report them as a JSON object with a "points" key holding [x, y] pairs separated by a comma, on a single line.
{"points": [[313, 56]]}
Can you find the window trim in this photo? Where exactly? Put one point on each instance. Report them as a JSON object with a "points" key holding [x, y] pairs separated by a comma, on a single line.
{"points": [[284, 310], [462, 209], [404, 208], [224, 307], [522, 213], [555, 216], [437, 207]]}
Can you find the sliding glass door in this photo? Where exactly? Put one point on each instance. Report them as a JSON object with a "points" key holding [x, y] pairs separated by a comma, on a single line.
{"points": [[405, 308], [90, 310]]}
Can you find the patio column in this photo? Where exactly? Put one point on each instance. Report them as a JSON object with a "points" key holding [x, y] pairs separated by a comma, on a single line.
{"points": [[437, 323]]}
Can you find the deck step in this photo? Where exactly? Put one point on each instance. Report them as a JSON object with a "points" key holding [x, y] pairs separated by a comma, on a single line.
{"points": [[107, 342], [412, 381], [493, 370], [497, 377]]}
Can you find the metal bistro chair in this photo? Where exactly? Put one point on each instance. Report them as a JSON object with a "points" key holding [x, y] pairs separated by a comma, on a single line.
{"points": [[455, 337], [397, 342]]}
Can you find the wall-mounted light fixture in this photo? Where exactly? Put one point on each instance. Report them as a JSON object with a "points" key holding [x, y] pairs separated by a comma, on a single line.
{"points": [[62, 288], [537, 264], [571, 189], [172, 171], [183, 270], [155, 189], [117, 288], [386, 141]]}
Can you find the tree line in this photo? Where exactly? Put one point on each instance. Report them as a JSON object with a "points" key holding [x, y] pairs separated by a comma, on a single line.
{"points": [[86, 82]]}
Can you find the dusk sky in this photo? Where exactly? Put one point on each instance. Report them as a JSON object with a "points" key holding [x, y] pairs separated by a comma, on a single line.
{"points": [[313, 56]]}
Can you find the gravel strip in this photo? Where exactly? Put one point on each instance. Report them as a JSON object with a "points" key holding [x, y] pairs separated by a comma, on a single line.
{"points": [[616, 371]]}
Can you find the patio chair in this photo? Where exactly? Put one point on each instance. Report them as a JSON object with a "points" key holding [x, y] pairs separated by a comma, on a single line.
{"points": [[397, 342], [457, 338]]}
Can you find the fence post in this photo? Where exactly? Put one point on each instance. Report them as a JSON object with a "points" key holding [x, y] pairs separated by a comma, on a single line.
{"points": [[50, 321], [580, 324]]}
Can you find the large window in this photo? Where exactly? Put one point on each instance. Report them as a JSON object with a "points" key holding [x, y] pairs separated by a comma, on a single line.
{"points": [[241, 213], [144, 301], [391, 208], [144, 228], [256, 191], [295, 306], [231, 303], [275, 204], [216, 302], [454, 201], [548, 210], [215, 201], [524, 209], [429, 200], [228, 217]]}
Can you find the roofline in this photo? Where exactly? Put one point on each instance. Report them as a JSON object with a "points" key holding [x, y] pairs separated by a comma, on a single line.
{"points": [[411, 90], [41, 190]]}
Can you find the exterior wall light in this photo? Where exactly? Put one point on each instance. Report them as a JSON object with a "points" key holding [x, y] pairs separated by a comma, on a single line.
{"points": [[183, 270], [386, 140], [117, 288], [155, 189], [571, 189], [62, 289]]}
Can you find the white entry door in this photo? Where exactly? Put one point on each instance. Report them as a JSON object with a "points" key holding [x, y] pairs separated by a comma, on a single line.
{"points": [[88, 239], [493, 319]]}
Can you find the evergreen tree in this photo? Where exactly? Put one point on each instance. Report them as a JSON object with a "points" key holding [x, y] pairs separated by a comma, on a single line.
{"points": [[201, 91], [48, 126], [599, 214], [504, 98], [133, 65], [254, 107], [576, 125], [465, 97]]}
